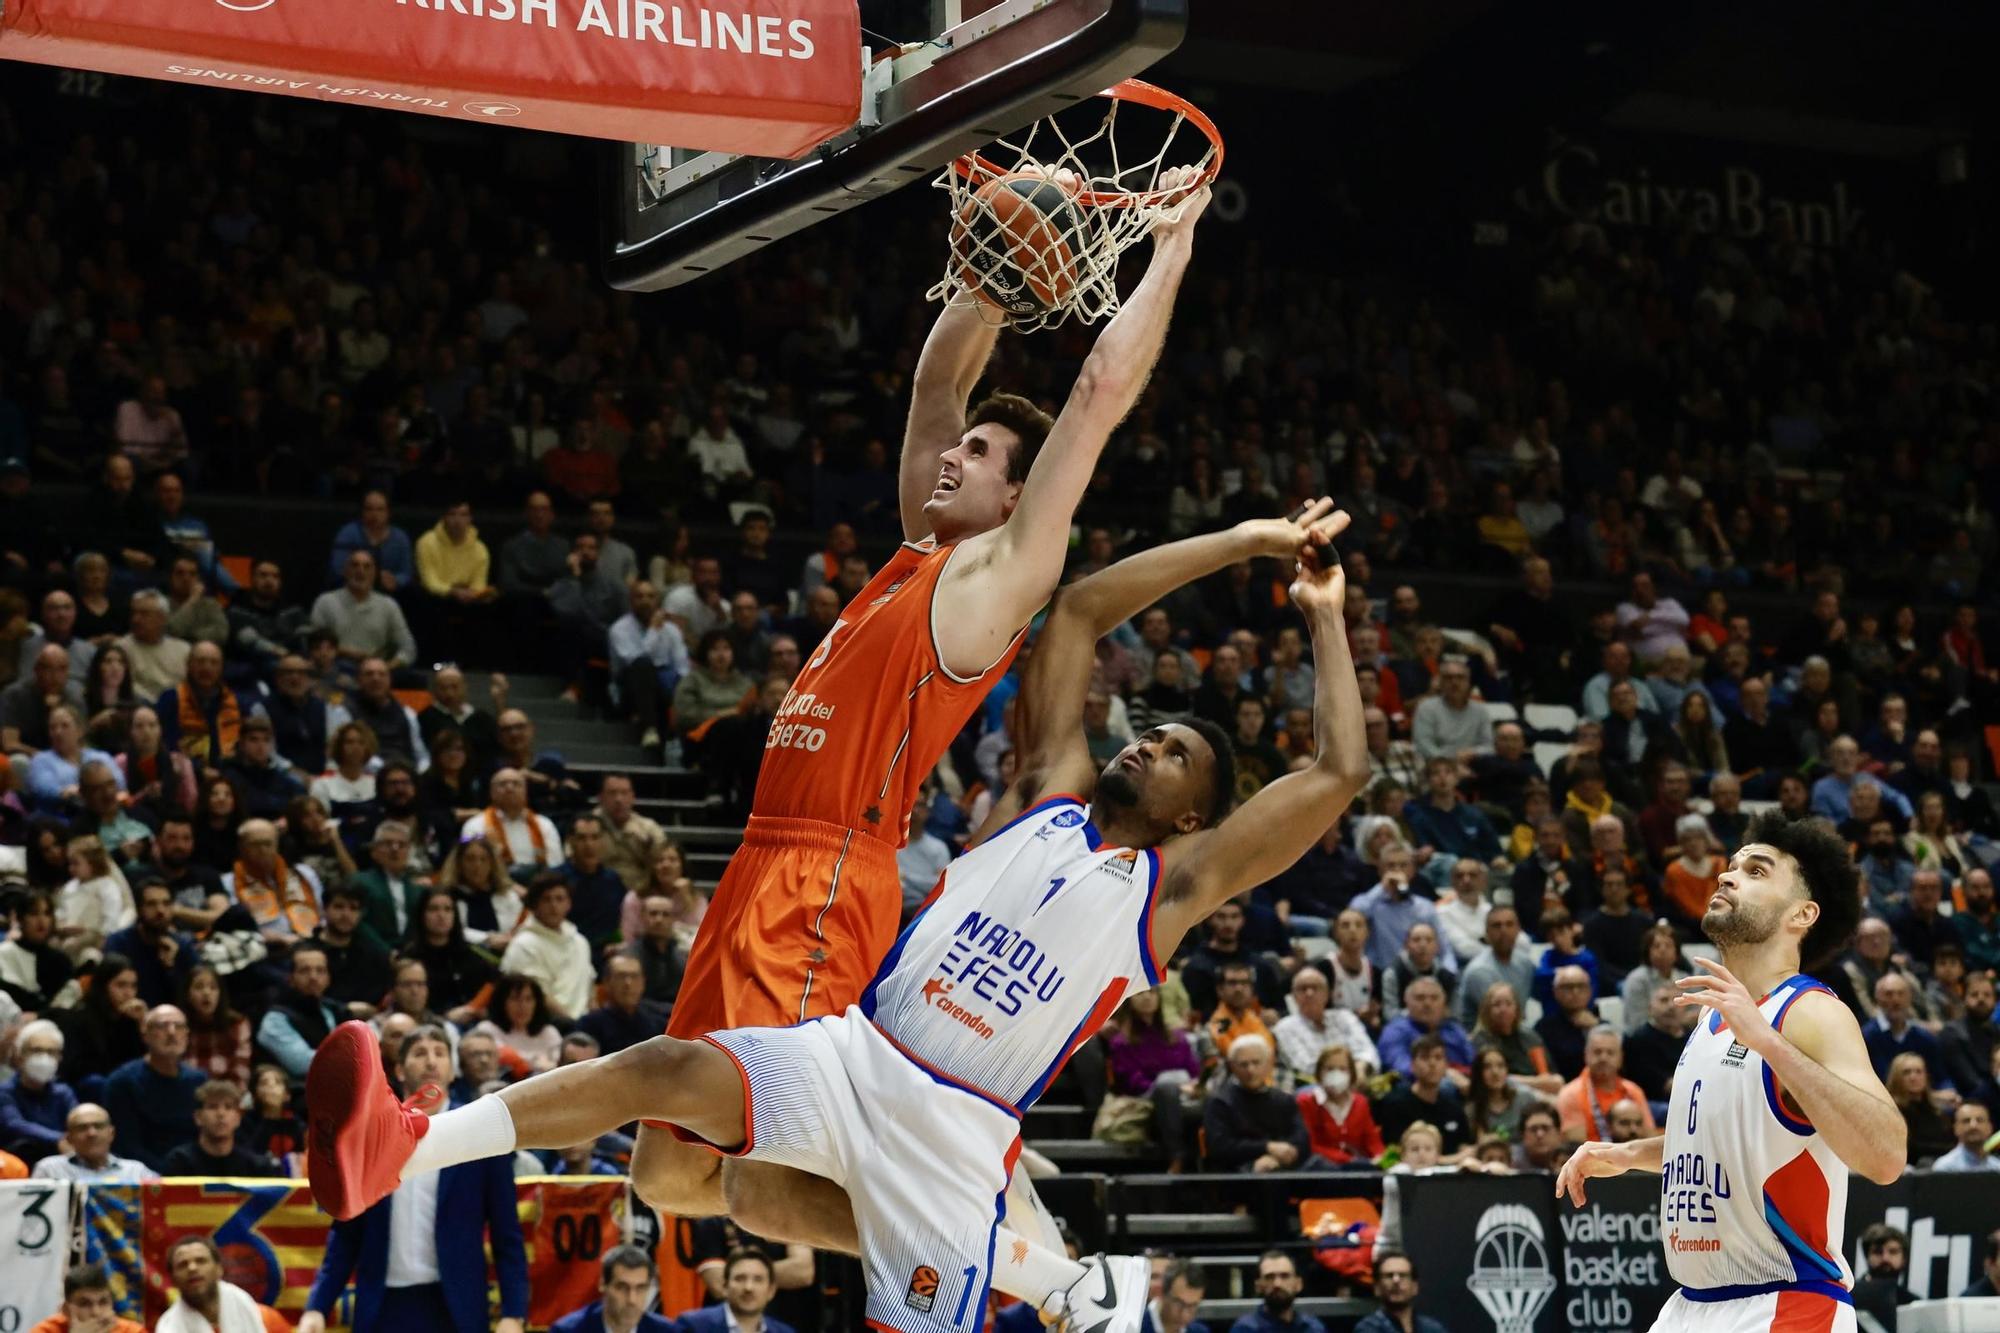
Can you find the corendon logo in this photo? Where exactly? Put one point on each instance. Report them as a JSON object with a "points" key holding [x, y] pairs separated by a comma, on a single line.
{"points": [[1692, 1244], [938, 995]]}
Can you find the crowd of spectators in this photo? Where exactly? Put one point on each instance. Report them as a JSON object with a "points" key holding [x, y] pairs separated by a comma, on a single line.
{"points": [[1744, 492]]}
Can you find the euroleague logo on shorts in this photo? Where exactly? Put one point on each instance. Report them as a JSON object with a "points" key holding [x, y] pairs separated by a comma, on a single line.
{"points": [[923, 1291]]}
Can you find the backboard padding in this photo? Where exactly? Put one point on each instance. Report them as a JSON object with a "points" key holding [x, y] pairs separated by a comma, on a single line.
{"points": [[970, 94]]}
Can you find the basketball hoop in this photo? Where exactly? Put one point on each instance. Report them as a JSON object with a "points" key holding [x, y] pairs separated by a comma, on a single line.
{"points": [[1040, 218]]}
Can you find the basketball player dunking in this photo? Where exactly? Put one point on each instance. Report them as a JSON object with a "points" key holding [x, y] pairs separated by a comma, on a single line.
{"points": [[913, 1096], [809, 905], [1773, 1103]]}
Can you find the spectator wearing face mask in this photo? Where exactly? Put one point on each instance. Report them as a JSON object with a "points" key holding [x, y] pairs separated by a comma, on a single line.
{"points": [[35, 1105], [1339, 1123]]}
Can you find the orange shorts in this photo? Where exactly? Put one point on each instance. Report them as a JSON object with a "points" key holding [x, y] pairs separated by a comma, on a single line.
{"points": [[804, 915]]}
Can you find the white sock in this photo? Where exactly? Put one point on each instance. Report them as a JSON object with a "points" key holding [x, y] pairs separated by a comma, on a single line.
{"points": [[1028, 1272], [481, 1128]]}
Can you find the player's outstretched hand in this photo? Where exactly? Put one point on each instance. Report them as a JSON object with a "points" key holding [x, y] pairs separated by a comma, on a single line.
{"points": [[1284, 538], [1595, 1158], [1722, 992], [1320, 585]]}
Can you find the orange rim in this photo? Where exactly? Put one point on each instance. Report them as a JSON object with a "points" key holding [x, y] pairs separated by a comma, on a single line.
{"points": [[974, 166]]}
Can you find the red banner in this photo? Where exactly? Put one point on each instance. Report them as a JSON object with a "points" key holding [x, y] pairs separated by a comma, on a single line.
{"points": [[766, 77], [272, 1235], [568, 1224]]}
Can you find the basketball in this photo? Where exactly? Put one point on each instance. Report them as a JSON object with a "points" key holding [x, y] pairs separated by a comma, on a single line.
{"points": [[1011, 243]]}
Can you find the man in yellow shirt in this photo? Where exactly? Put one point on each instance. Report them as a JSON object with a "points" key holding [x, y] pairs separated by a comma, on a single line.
{"points": [[452, 566], [452, 561]]}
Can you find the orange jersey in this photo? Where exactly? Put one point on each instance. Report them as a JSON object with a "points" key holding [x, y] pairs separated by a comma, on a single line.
{"points": [[800, 923], [873, 709]]}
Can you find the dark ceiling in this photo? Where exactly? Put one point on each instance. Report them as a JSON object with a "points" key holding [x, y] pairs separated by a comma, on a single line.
{"points": [[1832, 75]]}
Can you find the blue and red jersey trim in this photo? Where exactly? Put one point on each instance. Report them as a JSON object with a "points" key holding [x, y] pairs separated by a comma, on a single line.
{"points": [[1773, 1098], [1147, 958], [1745, 1291]]}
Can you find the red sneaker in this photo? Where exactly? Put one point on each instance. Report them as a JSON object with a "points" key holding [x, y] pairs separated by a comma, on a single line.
{"points": [[358, 1135]]}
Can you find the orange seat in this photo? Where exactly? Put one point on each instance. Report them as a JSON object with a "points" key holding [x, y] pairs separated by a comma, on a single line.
{"points": [[414, 700], [1317, 1217], [238, 567]]}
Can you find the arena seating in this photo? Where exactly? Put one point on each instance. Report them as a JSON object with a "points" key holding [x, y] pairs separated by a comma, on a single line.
{"points": [[220, 336]]}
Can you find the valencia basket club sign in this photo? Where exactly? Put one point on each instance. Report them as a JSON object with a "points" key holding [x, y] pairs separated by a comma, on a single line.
{"points": [[770, 78]]}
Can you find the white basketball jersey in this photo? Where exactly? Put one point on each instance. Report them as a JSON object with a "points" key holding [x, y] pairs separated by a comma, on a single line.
{"points": [[1751, 1198], [1022, 951]]}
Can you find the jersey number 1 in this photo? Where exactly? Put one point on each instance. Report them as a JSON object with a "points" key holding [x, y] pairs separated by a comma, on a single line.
{"points": [[965, 1295]]}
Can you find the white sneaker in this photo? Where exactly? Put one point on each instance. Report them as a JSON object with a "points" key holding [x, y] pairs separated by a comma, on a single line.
{"points": [[1109, 1298]]}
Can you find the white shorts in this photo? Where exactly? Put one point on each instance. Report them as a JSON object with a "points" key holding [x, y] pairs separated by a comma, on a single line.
{"points": [[924, 1160], [1772, 1312]]}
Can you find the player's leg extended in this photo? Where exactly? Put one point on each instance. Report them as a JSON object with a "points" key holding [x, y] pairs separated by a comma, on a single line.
{"points": [[363, 1143]]}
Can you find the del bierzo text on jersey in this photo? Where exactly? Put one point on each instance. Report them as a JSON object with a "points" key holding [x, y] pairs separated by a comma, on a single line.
{"points": [[650, 20], [789, 733]]}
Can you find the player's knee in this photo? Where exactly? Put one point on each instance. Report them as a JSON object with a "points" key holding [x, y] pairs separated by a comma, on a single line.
{"points": [[655, 1064], [675, 1177]]}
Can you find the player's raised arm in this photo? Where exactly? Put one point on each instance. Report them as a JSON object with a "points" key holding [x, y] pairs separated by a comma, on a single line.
{"points": [[1047, 736], [1013, 567], [1273, 829], [953, 359]]}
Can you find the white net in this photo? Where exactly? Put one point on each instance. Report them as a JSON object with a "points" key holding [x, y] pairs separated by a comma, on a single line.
{"points": [[1040, 218]]}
